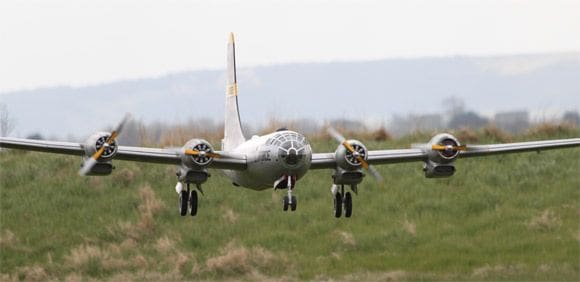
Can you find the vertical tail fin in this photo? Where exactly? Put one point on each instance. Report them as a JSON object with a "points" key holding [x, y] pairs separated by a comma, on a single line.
{"points": [[233, 135]]}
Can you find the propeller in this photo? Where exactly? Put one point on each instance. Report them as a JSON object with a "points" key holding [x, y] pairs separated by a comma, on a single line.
{"points": [[448, 148], [90, 162], [202, 153], [371, 169]]}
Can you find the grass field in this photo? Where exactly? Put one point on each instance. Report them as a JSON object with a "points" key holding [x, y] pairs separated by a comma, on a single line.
{"points": [[512, 217]]}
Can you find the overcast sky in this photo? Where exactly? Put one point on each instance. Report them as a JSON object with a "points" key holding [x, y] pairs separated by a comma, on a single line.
{"points": [[78, 42]]}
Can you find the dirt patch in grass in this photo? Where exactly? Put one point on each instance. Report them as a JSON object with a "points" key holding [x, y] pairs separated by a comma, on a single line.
{"points": [[125, 176], [33, 273], [410, 227], [239, 260], [230, 216], [92, 259], [347, 238], [547, 221], [397, 275], [145, 227], [164, 245], [504, 271], [7, 239]]}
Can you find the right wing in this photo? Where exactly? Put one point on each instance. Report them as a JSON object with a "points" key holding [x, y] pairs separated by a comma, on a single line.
{"points": [[227, 160], [377, 157]]}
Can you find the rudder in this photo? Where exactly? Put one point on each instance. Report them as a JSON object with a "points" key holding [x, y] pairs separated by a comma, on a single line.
{"points": [[233, 134]]}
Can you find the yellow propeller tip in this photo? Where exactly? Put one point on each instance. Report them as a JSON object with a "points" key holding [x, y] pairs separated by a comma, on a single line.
{"points": [[231, 37]]}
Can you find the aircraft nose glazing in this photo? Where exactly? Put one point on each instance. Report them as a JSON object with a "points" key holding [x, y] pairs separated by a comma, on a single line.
{"points": [[292, 148], [292, 158]]}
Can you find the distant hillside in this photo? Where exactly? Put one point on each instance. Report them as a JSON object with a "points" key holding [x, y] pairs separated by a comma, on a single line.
{"points": [[361, 90]]}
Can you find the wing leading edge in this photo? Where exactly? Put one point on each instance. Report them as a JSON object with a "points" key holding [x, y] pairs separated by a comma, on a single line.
{"points": [[127, 153], [327, 160]]}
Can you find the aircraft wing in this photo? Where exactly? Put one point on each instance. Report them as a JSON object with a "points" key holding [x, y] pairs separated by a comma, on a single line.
{"points": [[375, 157], [128, 153], [484, 150]]}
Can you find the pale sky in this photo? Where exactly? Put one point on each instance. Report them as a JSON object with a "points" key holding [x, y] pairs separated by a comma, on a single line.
{"points": [[79, 42]]}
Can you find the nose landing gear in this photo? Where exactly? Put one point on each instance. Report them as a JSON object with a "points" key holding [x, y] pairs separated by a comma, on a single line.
{"points": [[289, 200]]}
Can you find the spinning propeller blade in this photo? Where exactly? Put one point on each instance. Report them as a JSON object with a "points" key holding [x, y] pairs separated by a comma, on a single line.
{"points": [[197, 153], [444, 148], [90, 162]]}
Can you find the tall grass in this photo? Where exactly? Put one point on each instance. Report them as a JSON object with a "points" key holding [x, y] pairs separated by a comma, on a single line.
{"points": [[512, 217]]}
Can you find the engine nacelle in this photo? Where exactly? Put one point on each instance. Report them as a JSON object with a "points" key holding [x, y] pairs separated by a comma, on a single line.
{"points": [[348, 160], [349, 170], [446, 156], [433, 170], [440, 162], [197, 161], [98, 140], [347, 177], [95, 142]]}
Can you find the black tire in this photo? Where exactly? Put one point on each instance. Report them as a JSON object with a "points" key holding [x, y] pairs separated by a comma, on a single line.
{"points": [[347, 204], [285, 202], [193, 203], [294, 203], [183, 202], [337, 205]]}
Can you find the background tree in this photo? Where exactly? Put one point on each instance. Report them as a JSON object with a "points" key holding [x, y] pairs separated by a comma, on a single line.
{"points": [[6, 122]]}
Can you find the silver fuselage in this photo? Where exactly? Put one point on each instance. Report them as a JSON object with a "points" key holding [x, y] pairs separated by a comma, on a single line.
{"points": [[271, 157]]}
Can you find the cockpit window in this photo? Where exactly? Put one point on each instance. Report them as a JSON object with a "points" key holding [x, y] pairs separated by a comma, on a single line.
{"points": [[282, 137], [292, 147]]}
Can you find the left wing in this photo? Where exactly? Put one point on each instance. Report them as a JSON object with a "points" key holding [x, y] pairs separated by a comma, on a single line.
{"points": [[227, 160], [421, 153]]}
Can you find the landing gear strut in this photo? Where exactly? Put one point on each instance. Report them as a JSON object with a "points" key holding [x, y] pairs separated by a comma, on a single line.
{"points": [[342, 200], [187, 200], [289, 200]]}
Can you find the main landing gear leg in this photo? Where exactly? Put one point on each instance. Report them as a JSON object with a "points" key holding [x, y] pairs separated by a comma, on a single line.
{"points": [[342, 200], [290, 200], [187, 199], [183, 198]]}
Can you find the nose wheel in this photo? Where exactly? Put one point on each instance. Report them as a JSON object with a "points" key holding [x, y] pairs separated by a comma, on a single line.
{"points": [[342, 201], [289, 200], [292, 204]]}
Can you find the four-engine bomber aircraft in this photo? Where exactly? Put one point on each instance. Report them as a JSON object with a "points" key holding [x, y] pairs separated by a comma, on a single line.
{"points": [[276, 160]]}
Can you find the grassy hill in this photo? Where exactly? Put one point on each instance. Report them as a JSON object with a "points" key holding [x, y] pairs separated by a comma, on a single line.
{"points": [[512, 217]]}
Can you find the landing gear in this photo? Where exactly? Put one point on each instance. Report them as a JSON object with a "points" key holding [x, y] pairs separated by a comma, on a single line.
{"points": [[188, 200], [342, 200], [285, 203], [292, 204], [289, 200], [347, 204], [337, 205], [183, 201], [193, 203]]}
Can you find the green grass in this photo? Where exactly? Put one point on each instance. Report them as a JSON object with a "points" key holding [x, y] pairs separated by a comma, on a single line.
{"points": [[512, 217]]}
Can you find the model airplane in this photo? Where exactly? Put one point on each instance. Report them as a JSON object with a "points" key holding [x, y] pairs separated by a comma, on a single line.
{"points": [[276, 160]]}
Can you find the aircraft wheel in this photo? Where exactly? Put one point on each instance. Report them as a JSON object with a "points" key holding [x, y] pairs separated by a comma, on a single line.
{"points": [[286, 203], [294, 203], [193, 203], [337, 205], [183, 201], [347, 204]]}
